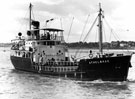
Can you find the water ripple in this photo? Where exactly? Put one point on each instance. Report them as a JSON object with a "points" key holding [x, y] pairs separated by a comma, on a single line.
{"points": [[23, 85]]}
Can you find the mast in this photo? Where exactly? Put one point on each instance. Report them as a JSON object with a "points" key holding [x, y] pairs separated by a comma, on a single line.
{"points": [[100, 29], [30, 8]]}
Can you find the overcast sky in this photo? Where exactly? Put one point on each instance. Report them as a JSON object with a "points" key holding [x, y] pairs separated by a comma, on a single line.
{"points": [[119, 14]]}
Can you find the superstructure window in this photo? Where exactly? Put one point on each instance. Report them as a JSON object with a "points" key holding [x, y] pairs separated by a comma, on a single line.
{"points": [[45, 43], [50, 43]]}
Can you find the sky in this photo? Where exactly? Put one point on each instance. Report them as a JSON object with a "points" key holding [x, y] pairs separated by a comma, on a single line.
{"points": [[119, 17]]}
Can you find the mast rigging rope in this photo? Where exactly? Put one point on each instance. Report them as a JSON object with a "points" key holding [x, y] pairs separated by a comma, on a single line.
{"points": [[70, 28], [84, 26], [87, 34]]}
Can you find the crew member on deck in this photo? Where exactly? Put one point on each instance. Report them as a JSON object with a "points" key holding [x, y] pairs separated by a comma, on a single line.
{"points": [[44, 58], [48, 36], [45, 36], [41, 60]]}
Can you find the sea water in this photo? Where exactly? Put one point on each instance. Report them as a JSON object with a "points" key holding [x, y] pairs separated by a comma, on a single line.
{"points": [[24, 85]]}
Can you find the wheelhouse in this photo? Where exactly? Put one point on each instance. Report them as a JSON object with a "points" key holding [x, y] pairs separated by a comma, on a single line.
{"points": [[46, 34]]}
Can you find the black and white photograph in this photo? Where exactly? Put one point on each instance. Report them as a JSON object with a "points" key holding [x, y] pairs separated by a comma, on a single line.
{"points": [[67, 49]]}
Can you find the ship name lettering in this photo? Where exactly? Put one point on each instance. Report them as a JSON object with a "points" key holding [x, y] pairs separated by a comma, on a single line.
{"points": [[100, 61]]}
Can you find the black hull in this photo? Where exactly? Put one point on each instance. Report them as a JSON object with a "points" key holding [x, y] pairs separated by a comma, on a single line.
{"points": [[106, 69]]}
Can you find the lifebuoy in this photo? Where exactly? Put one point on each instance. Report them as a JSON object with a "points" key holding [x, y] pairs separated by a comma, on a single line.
{"points": [[90, 55]]}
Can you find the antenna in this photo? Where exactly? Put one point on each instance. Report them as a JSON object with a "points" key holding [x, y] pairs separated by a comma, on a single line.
{"points": [[30, 8]]}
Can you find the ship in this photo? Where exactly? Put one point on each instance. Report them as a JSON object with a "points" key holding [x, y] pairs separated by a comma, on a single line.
{"points": [[44, 51]]}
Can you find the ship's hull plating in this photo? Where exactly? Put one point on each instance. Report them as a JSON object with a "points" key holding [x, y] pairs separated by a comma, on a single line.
{"points": [[108, 69]]}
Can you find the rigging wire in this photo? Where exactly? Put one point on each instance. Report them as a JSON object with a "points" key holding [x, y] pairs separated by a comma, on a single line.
{"points": [[61, 23], [110, 35], [83, 30], [23, 21], [33, 14], [111, 31], [90, 29], [105, 36], [115, 35], [70, 28], [96, 35], [104, 33], [87, 34], [84, 26]]}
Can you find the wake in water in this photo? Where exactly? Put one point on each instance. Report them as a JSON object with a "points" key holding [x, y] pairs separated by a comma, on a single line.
{"points": [[25, 85]]}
